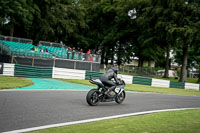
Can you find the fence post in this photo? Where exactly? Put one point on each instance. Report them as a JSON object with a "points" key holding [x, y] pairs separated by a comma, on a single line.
{"points": [[12, 59], [33, 59], [74, 64], [54, 62], [91, 67]]}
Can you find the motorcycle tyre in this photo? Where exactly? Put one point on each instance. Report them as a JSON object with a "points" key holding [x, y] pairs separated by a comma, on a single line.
{"points": [[117, 98], [89, 97]]}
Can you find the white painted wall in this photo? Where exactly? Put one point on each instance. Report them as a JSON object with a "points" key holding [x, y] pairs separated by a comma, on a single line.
{"points": [[68, 73], [8, 69], [160, 83], [191, 86]]}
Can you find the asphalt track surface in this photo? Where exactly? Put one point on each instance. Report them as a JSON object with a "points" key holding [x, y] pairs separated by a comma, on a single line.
{"points": [[26, 109]]}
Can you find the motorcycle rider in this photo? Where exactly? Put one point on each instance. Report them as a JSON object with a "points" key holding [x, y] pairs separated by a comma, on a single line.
{"points": [[106, 79]]}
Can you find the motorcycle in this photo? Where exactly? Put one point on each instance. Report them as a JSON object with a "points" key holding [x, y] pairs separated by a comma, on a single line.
{"points": [[96, 95]]}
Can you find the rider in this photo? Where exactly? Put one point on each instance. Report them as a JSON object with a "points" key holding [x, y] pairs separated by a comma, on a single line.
{"points": [[106, 79]]}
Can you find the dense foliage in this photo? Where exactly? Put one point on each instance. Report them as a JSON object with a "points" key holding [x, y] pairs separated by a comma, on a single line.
{"points": [[121, 29]]}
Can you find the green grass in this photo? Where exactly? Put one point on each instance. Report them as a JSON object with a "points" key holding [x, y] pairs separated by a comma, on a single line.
{"points": [[78, 81], [186, 121], [14, 82], [144, 88], [189, 80]]}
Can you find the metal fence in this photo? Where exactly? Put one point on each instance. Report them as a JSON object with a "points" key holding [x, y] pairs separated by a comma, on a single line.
{"points": [[51, 44], [134, 70], [60, 53], [5, 49], [15, 39]]}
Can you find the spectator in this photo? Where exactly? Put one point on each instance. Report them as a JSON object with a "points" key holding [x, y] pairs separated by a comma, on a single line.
{"points": [[88, 55], [36, 49], [33, 49], [99, 52], [42, 50], [46, 50], [98, 56], [69, 52], [89, 51], [73, 52], [80, 54]]}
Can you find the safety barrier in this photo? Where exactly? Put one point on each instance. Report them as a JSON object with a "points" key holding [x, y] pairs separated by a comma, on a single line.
{"points": [[32, 71], [68, 73], [160, 83], [174, 84], [55, 72], [192, 86], [93, 74], [8, 69], [127, 78], [142, 80]]}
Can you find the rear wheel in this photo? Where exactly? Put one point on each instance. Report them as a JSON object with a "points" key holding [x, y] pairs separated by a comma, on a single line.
{"points": [[119, 99], [92, 97]]}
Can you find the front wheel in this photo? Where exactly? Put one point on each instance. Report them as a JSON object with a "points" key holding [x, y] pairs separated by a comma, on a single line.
{"points": [[92, 97], [120, 98]]}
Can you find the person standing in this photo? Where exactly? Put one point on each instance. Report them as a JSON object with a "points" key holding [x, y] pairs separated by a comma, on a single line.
{"points": [[88, 55]]}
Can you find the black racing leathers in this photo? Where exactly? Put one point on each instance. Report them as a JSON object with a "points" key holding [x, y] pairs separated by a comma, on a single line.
{"points": [[106, 79]]}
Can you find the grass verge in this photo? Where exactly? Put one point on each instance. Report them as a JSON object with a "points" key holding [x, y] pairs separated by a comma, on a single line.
{"points": [[185, 121], [14, 82], [144, 88]]}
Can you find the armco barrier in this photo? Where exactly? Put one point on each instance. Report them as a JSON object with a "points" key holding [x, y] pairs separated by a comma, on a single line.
{"points": [[191, 86], [174, 84], [93, 74], [160, 83], [55, 72], [32, 71], [142, 80], [8, 69], [68, 73], [127, 78]]}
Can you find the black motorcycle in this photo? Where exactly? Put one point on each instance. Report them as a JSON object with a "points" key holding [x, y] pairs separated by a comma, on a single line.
{"points": [[97, 95]]}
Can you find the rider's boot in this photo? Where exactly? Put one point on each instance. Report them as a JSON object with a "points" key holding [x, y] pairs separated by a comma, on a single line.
{"points": [[110, 89]]}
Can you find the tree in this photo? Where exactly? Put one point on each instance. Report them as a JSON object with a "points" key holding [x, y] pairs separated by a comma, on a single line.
{"points": [[57, 20], [111, 32], [148, 44], [185, 16], [15, 13]]}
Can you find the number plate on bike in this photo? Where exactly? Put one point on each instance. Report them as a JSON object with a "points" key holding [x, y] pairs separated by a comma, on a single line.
{"points": [[117, 90]]}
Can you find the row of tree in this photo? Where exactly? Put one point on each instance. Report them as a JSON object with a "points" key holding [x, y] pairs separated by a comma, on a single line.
{"points": [[122, 29]]}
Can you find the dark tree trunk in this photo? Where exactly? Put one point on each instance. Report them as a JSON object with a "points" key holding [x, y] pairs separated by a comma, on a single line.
{"points": [[11, 29], [106, 60], [199, 76], [140, 65], [183, 77], [166, 75], [149, 63]]}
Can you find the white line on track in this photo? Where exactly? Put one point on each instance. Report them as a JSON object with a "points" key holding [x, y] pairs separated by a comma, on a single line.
{"points": [[92, 120]]}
